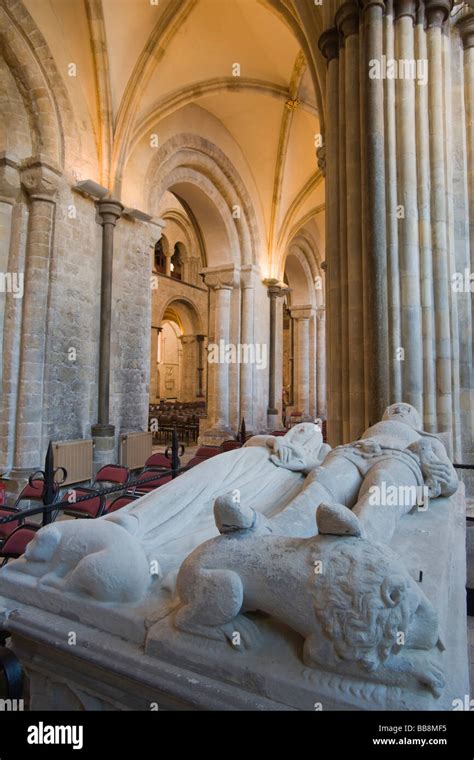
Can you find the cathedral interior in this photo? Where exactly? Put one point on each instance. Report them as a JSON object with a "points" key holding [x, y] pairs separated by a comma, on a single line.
{"points": [[240, 229]]}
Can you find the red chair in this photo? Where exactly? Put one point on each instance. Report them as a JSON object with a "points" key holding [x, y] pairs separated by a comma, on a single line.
{"points": [[33, 491], [119, 503], [196, 460], [7, 528], [206, 452], [112, 473], [89, 508], [16, 543], [151, 485], [230, 445], [158, 460]]}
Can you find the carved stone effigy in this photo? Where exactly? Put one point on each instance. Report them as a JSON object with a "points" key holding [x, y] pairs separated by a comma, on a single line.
{"points": [[340, 598]]}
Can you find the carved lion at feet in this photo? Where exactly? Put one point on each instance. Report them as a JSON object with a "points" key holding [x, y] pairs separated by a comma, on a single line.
{"points": [[357, 608]]}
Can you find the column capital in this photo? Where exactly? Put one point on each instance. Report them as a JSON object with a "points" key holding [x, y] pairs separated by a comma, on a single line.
{"points": [[437, 12], [405, 8], [276, 288], [367, 4], [110, 211], [40, 180], [466, 29], [347, 18], [221, 278], [9, 178], [200, 338], [186, 340], [302, 312], [321, 156], [329, 44]]}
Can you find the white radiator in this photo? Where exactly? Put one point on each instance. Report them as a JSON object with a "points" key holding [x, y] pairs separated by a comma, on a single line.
{"points": [[76, 458], [135, 448]]}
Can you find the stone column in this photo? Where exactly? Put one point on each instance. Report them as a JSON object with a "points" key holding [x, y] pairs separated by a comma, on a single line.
{"points": [[411, 332], [393, 269], [275, 291], [437, 12], [321, 409], [200, 369], [41, 183], [221, 281], [329, 46], [153, 364], [167, 255], [103, 432], [9, 193], [188, 383], [347, 20], [466, 262], [301, 316], [424, 225], [375, 239], [11, 223], [313, 352], [247, 371], [466, 29]]}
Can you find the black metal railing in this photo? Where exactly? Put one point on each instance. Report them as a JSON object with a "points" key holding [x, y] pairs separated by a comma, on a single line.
{"points": [[51, 485], [11, 673]]}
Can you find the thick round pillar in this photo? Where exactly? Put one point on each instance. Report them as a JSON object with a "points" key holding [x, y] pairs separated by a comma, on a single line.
{"points": [[302, 316], [188, 380], [376, 344], [247, 286], [329, 46], [437, 12], [221, 281], [41, 183], [321, 409], [408, 245]]}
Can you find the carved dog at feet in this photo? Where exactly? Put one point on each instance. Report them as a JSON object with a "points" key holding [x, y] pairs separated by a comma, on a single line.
{"points": [[353, 601], [70, 556]]}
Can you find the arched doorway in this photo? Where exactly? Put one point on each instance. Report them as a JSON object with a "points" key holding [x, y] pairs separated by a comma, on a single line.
{"points": [[303, 334], [177, 371]]}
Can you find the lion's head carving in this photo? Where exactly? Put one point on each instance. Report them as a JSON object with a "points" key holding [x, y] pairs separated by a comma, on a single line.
{"points": [[364, 599]]}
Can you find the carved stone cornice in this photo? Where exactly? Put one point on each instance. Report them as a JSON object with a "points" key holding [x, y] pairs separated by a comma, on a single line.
{"points": [[347, 18], [437, 12], [40, 180], [9, 179], [466, 30], [329, 44]]}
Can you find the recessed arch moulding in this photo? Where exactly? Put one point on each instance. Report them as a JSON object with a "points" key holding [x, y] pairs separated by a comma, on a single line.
{"points": [[227, 225]]}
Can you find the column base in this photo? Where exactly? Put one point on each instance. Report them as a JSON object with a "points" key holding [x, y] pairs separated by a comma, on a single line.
{"points": [[102, 431], [215, 436], [104, 445], [274, 421]]}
